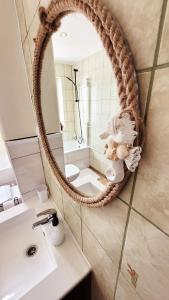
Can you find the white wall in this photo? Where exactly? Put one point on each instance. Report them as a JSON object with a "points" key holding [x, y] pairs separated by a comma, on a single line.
{"points": [[16, 115]]}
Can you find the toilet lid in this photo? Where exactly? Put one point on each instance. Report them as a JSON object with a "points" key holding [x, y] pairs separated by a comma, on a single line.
{"points": [[71, 170]]}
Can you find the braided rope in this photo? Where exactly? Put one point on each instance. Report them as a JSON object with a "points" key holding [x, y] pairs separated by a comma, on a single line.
{"points": [[121, 59]]}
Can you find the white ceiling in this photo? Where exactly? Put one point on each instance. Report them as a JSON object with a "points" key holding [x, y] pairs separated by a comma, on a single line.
{"points": [[82, 39]]}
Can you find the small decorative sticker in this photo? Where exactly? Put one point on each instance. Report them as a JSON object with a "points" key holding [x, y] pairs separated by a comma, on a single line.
{"points": [[133, 274]]}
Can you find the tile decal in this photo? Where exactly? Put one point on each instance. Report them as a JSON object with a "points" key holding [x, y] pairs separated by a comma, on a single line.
{"points": [[133, 275]]}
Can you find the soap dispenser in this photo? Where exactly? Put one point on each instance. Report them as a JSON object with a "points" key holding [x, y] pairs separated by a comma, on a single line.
{"points": [[54, 228]]}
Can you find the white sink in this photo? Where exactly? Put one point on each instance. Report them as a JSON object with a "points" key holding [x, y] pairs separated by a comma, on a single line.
{"points": [[89, 185], [19, 273]]}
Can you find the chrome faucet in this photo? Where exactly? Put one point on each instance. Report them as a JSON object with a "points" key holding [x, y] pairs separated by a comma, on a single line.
{"points": [[52, 217]]}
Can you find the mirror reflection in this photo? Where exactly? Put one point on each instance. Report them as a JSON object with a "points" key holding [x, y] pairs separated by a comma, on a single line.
{"points": [[79, 96]]}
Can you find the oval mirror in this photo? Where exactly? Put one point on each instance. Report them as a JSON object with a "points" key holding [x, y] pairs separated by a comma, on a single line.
{"points": [[86, 102]]}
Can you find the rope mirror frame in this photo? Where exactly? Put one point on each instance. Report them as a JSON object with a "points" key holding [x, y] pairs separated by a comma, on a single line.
{"points": [[120, 57]]}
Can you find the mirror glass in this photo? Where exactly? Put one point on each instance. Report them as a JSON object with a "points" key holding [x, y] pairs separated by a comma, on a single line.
{"points": [[79, 96]]}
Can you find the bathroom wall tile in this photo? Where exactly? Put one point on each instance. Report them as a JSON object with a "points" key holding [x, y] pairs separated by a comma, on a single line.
{"points": [[164, 47], [72, 218], [21, 19], [68, 70], [125, 194], [78, 154], [75, 204], [143, 82], [7, 176], [104, 271], [59, 158], [60, 69], [30, 8], [140, 28], [81, 164], [55, 140], [28, 62], [56, 194], [151, 194], [29, 172], [112, 219], [47, 171], [125, 291], [145, 260], [23, 147], [53, 185]]}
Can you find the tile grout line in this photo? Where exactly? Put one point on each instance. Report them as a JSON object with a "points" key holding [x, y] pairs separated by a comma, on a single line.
{"points": [[157, 49], [156, 67], [144, 217], [159, 35], [149, 221], [94, 236]]}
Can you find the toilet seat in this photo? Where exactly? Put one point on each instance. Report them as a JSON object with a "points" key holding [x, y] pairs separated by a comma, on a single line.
{"points": [[72, 172]]}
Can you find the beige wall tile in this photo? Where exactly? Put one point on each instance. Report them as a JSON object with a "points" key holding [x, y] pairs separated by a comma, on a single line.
{"points": [[108, 224], [30, 8], [56, 194], [125, 194], [21, 19], [73, 219], [139, 20], [53, 185], [47, 171], [146, 251], [125, 291], [23, 147], [104, 271], [73, 203], [29, 172], [143, 82], [151, 194], [164, 47]]}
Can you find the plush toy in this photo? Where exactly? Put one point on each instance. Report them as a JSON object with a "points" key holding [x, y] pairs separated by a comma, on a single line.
{"points": [[114, 150], [120, 135]]}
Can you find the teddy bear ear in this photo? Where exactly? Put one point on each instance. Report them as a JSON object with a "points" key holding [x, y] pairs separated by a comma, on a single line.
{"points": [[104, 135]]}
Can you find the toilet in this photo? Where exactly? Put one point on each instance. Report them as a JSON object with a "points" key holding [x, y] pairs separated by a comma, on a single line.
{"points": [[72, 172]]}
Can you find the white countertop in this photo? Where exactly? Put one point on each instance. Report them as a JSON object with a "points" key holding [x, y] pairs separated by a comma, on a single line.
{"points": [[72, 265]]}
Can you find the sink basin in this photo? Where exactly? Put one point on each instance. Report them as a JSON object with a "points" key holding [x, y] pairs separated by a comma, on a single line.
{"points": [[89, 185], [26, 258]]}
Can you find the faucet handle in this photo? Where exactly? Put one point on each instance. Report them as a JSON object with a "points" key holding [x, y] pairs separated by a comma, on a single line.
{"points": [[50, 211]]}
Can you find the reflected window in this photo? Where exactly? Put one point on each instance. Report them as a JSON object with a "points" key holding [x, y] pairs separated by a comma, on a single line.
{"points": [[60, 99]]}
